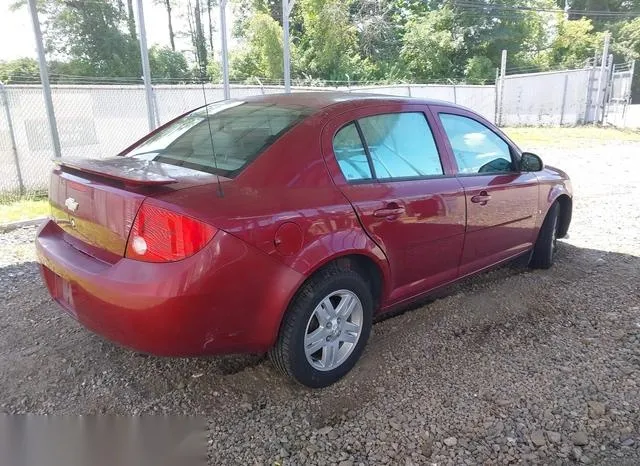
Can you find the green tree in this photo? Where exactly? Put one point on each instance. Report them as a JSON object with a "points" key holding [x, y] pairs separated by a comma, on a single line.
{"points": [[214, 71], [65, 71], [379, 25], [429, 45], [167, 64], [489, 29], [329, 45], [131, 21], [627, 45], [586, 8], [244, 9], [19, 70], [479, 70], [199, 39], [574, 43], [627, 40], [261, 55], [94, 35]]}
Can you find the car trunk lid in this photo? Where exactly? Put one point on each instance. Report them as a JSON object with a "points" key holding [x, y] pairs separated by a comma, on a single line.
{"points": [[95, 201]]}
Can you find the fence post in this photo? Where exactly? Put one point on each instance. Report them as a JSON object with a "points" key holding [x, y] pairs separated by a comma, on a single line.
{"points": [[608, 95], [156, 112], [287, 6], [627, 101], [146, 71], [260, 84], [225, 51], [601, 79], [632, 71], [497, 93], [587, 102], [503, 72], [12, 136], [44, 78], [564, 98]]}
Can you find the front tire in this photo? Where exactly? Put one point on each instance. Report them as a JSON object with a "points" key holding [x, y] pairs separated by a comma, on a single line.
{"points": [[545, 248], [325, 329]]}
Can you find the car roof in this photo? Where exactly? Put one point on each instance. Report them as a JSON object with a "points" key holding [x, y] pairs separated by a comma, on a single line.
{"points": [[317, 100]]}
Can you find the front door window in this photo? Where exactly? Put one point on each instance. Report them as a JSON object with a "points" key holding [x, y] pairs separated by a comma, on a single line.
{"points": [[475, 147]]}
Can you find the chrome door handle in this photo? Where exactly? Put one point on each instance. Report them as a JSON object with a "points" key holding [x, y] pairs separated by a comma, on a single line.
{"points": [[389, 212], [481, 198]]}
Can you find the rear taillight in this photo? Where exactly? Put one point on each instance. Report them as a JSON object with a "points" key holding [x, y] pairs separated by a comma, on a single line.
{"points": [[159, 235]]}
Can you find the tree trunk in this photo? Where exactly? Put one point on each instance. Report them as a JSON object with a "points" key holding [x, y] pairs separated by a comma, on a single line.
{"points": [[167, 4], [209, 5], [131, 21], [201, 42]]}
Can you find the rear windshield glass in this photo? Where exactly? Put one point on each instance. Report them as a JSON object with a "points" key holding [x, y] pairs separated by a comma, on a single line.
{"points": [[221, 138]]}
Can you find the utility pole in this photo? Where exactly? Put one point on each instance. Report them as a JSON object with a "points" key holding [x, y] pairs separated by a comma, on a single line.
{"points": [[146, 71], [566, 10], [601, 80], [44, 78], [287, 6], [225, 51]]}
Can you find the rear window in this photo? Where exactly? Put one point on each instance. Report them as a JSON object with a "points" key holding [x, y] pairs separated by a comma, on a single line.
{"points": [[222, 138]]}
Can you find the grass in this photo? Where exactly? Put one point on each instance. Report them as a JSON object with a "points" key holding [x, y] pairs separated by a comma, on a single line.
{"points": [[574, 137], [24, 209]]}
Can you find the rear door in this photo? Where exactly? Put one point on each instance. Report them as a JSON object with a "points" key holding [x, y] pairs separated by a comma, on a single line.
{"points": [[502, 202], [385, 160]]}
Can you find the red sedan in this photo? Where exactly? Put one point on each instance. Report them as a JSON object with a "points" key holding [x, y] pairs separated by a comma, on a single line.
{"points": [[284, 223]]}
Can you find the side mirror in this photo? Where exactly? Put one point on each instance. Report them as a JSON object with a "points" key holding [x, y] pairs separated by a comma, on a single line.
{"points": [[530, 162]]}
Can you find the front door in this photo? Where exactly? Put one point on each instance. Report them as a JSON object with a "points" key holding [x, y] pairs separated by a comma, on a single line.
{"points": [[386, 162], [502, 202]]}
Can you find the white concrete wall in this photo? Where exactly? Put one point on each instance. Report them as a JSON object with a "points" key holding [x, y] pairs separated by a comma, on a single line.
{"points": [[624, 116], [544, 100]]}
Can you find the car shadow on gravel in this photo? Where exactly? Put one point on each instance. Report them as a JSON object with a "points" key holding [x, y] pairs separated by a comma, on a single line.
{"points": [[51, 364]]}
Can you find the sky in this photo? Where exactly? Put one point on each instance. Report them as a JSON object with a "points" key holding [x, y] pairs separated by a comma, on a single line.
{"points": [[17, 38]]}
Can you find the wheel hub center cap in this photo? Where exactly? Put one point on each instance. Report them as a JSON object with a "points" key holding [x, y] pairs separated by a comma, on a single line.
{"points": [[335, 329]]}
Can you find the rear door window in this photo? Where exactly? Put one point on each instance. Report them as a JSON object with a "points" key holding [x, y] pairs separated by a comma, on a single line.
{"points": [[401, 145], [386, 147], [221, 138], [350, 154]]}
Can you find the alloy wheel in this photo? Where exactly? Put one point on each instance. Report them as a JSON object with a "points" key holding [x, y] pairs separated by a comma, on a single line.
{"points": [[333, 330]]}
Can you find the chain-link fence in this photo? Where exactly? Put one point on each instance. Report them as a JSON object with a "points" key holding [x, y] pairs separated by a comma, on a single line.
{"points": [[619, 110], [98, 121]]}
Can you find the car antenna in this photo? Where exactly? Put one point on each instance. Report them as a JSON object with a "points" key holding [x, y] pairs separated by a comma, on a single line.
{"points": [[206, 109]]}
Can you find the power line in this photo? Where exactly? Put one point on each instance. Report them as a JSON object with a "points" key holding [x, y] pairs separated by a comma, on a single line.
{"points": [[488, 6]]}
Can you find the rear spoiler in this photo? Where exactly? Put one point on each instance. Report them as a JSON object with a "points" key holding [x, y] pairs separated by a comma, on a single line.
{"points": [[132, 172]]}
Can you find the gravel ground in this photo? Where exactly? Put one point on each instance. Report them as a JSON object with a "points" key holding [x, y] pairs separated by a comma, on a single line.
{"points": [[513, 366]]}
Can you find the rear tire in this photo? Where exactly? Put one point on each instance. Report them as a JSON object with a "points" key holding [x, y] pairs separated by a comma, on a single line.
{"points": [[325, 328], [546, 244]]}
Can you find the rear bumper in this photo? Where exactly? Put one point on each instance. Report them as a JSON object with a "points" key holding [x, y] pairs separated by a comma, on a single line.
{"points": [[226, 298]]}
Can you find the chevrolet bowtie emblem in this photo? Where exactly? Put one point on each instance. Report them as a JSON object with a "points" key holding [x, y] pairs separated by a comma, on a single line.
{"points": [[71, 204]]}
